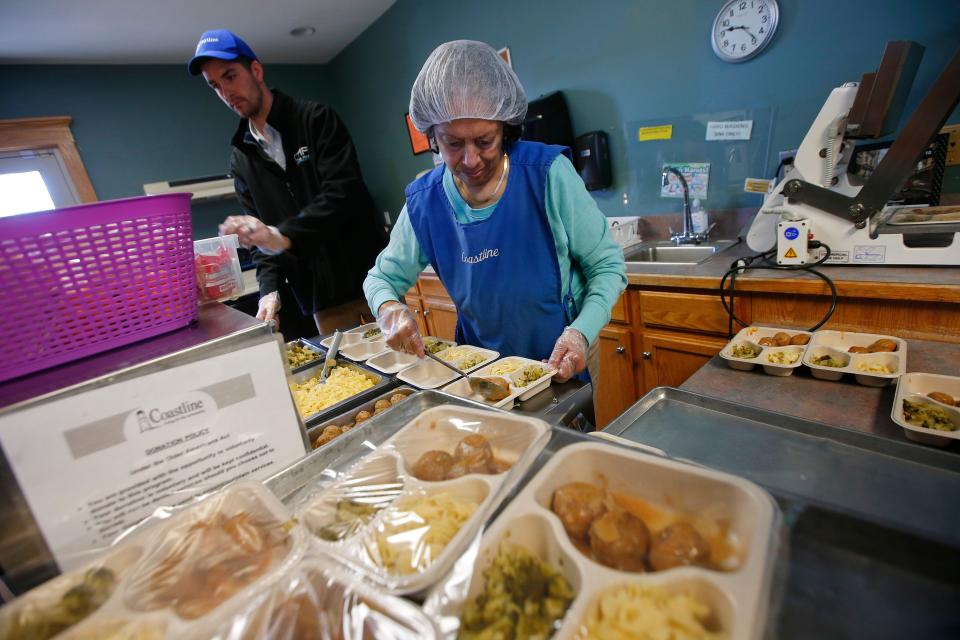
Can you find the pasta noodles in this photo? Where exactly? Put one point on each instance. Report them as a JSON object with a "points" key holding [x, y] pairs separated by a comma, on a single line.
{"points": [[503, 368], [341, 383], [416, 530], [632, 611]]}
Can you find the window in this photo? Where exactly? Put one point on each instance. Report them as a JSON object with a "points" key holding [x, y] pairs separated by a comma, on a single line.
{"points": [[40, 167], [23, 193], [34, 181]]}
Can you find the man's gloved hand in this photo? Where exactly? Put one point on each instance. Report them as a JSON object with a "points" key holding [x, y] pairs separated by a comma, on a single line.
{"points": [[252, 232], [569, 354], [400, 328], [269, 309]]}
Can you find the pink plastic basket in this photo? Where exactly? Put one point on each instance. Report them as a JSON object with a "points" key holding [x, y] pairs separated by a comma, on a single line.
{"points": [[84, 279]]}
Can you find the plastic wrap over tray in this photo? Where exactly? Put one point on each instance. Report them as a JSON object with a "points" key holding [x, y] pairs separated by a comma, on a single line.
{"points": [[403, 514], [605, 542]]}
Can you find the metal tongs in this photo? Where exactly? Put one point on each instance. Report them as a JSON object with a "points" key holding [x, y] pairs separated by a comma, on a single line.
{"points": [[331, 359], [489, 388]]}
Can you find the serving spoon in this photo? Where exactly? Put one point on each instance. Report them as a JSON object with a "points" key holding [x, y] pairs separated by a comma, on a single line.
{"points": [[488, 388]]}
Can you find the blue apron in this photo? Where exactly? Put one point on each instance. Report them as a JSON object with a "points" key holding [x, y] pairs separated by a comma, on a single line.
{"points": [[502, 273]]}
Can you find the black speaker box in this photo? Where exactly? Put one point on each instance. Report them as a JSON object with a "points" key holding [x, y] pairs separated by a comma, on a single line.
{"points": [[591, 157], [548, 121]]}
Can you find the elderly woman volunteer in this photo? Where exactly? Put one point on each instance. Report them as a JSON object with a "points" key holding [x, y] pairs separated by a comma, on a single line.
{"points": [[507, 224]]}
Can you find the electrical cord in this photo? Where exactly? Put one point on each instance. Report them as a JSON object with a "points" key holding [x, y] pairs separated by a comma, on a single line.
{"points": [[747, 263]]}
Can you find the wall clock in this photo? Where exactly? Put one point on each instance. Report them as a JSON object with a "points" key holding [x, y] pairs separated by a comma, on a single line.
{"points": [[744, 28]]}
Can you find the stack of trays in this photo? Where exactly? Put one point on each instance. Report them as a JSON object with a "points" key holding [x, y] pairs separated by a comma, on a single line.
{"points": [[525, 377], [393, 362], [405, 513], [360, 343], [427, 374], [611, 528], [233, 565], [932, 412]]}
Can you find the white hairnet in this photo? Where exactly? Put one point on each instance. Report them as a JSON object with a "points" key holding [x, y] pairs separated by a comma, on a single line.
{"points": [[466, 79]]}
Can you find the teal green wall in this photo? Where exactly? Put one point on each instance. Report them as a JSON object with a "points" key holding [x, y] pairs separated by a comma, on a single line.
{"points": [[619, 61], [138, 124]]}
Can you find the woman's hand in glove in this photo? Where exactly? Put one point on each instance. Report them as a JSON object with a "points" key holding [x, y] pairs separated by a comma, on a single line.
{"points": [[569, 356], [400, 328]]}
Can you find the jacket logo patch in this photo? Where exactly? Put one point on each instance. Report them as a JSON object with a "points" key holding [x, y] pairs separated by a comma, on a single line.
{"points": [[302, 155]]}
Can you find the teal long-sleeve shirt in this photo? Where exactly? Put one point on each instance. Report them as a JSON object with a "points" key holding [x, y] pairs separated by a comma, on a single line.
{"points": [[591, 263]]}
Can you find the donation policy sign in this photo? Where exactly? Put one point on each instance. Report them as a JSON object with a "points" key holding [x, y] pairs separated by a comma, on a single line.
{"points": [[94, 464]]}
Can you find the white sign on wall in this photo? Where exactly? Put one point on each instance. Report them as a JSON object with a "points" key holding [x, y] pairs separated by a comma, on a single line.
{"points": [[94, 464], [730, 130]]}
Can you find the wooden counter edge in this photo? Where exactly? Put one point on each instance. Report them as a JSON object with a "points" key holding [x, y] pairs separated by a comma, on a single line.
{"points": [[924, 292]]}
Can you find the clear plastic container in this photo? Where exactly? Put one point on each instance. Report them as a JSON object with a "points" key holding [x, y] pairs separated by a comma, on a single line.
{"points": [[218, 268], [403, 515], [730, 586]]}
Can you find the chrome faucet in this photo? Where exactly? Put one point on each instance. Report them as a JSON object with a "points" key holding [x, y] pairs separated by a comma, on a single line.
{"points": [[687, 236]]}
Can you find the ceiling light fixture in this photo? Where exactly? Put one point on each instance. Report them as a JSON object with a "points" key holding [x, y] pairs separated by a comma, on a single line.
{"points": [[301, 32]]}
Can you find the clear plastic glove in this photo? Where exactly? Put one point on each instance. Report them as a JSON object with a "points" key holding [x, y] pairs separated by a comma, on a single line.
{"points": [[569, 356], [269, 309], [251, 232], [400, 328]]}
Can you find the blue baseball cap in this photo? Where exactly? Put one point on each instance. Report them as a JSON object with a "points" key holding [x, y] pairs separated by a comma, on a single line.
{"points": [[219, 43]]}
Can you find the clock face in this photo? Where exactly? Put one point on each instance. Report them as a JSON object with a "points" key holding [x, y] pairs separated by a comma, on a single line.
{"points": [[743, 28]]}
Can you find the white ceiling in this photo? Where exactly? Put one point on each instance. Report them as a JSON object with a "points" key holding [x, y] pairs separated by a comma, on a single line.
{"points": [[166, 31]]}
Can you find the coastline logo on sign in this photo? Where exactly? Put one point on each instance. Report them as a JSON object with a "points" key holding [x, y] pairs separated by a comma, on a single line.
{"points": [[486, 254], [187, 408]]}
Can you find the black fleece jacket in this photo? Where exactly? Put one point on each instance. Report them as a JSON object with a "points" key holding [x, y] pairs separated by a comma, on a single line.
{"points": [[320, 202]]}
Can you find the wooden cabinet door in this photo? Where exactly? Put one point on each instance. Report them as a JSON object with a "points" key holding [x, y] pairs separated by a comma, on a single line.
{"points": [[617, 388], [416, 305], [670, 358], [441, 317]]}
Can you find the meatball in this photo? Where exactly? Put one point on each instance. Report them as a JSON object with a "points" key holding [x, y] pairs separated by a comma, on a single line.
{"points": [[940, 396], [856, 349], [475, 453], [381, 405], [577, 505], [329, 433], [361, 416], [620, 540], [883, 344], [800, 338], [767, 342], [397, 398], [433, 466], [678, 545], [782, 338]]}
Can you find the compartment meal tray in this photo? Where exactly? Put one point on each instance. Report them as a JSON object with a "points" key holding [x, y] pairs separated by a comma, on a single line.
{"points": [[858, 507]]}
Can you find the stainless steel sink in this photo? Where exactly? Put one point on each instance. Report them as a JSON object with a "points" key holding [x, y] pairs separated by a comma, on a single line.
{"points": [[667, 253]]}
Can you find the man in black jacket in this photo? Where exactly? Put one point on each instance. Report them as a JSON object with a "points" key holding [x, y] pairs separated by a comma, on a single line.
{"points": [[308, 216]]}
